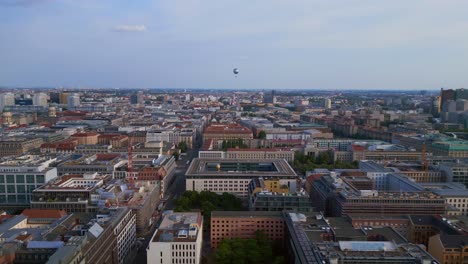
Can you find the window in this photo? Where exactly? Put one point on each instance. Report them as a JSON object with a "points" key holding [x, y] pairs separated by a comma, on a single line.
{"points": [[21, 188], [30, 178], [11, 198], [19, 178], [2, 179], [40, 179], [11, 189], [10, 178]]}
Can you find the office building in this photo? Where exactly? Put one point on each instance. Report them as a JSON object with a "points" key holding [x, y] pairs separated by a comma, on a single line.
{"points": [[72, 193], [6, 99], [233, 176], [242, 224], [271, 195], [327, 103], [40, 99], [177, 240], [101, 163], [73, 100], [20, 176], [223, 132], [12, 146], [250, 153]]}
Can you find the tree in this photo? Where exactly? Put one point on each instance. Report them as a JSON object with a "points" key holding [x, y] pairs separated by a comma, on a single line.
{"points": [[262, 135], [248, 251], [182, 146]]}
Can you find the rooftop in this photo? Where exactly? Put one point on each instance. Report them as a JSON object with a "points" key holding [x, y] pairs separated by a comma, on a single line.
{"points": [[205, 167], [178, 227]]}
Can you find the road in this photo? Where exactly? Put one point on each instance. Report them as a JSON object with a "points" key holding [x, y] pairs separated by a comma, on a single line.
{"points": [[174, 191]]}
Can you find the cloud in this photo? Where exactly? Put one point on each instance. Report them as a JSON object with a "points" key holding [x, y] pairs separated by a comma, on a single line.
{"points": [[21, 2], [130, 28]]}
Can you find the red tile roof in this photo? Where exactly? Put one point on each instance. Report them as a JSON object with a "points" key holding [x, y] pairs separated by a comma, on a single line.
{"points": [[44, 213], [85, 134]]}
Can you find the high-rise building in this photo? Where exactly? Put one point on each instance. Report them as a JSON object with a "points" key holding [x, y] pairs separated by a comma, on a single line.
{"points": [[40, 99], [73, 101], [54, 98], [63, 98], [270, 98], [137, 98], [327, 103], [6, 99]]}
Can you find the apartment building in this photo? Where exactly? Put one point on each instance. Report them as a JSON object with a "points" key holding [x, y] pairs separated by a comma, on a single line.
{"points": [[18, 146]]}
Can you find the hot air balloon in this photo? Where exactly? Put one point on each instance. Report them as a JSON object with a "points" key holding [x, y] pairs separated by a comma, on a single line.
{"points": [[235, 71]]}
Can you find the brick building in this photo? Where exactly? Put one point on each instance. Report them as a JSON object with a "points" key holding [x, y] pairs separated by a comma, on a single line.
{"points": [[243, 224]]}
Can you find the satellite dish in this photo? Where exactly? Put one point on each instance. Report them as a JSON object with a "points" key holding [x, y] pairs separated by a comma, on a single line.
{"points": [[235, 71]]}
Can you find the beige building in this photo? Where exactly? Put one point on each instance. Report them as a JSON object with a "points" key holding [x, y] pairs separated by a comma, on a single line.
{"points": [[449, 249], [13, 146], [86, 138], [220, 132]]}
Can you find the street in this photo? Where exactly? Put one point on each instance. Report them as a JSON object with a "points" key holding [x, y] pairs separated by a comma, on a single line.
{"points": [[174, 191]]}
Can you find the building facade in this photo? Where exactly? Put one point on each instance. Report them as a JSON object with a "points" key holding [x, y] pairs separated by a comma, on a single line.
{"points": [[177, 240], [242, 224]]}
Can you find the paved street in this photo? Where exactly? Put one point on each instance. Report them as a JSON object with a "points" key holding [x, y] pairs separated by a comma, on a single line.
{"points": [[174, 191]]}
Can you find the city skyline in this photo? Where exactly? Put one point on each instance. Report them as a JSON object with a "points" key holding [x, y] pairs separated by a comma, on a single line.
{"points": [[276, 45]]}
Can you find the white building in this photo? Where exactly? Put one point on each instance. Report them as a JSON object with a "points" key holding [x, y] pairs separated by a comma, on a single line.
{"points": [[327, 103], [125, 231], [6, 99], [40, 99], [178, 240], [20, 176], [73, 101]]}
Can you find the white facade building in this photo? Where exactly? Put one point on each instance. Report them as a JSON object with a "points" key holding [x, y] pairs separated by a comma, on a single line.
{"points": [[178, 240], [6, 99], [20, 176], [40, 99], [73, 101]]}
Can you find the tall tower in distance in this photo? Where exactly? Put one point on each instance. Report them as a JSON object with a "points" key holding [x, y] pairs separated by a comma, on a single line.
{"points": [[270, 98], [40, 99], [73, 101], [327, 103], [6, 99]]}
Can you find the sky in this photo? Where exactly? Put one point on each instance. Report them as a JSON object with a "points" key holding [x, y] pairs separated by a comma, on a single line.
{"points": [[275, 44]]}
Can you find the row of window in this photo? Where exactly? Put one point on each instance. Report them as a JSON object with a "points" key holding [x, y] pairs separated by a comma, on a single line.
{"points": [[21, 178], [182, 247]]}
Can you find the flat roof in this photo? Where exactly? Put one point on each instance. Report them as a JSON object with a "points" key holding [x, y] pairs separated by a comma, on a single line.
{"points": [[246, 214], [207, 167]]}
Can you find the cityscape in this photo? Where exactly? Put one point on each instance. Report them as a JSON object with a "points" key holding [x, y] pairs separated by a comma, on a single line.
{"points": [[233, 132], [216, 176]]}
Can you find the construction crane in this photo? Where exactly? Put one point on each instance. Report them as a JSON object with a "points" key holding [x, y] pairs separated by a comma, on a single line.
{"points": [[130, 162]]}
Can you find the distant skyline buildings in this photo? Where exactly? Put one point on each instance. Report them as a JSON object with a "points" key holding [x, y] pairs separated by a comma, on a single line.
{"points": [[73, 101], [6, 99], [40, 99]]}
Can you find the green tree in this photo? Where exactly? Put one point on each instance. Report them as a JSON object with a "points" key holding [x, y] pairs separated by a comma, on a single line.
{"points": [[262, 135], [182, 146]]}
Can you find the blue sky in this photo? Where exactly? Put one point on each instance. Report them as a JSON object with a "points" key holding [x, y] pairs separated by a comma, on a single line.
{"points": [[352, 44]]}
